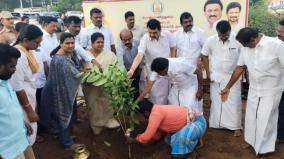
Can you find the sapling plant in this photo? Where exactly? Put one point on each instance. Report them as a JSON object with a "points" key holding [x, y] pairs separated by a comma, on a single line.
{"points": [[119, 91]]}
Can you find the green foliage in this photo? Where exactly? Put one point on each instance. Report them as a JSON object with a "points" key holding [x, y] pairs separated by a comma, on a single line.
{"points": [[67, 5], [119, 91], [10, 5], [260, 19]]}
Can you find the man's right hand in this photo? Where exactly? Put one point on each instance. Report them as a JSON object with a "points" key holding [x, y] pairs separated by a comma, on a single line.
{"points": [[130, 73], [224, 94], [32, 115]]}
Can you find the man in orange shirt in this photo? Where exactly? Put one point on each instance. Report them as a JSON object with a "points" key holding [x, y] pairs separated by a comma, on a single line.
{"points": [[183, 127]]}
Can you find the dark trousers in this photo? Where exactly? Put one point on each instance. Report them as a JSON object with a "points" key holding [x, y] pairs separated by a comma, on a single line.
{"points": [[135, 82], [74, 114], [41, 128], [281, 119]]}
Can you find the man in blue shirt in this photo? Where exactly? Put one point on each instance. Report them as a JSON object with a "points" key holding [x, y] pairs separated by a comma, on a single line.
{"points": [[13, 132], [126, 52]]}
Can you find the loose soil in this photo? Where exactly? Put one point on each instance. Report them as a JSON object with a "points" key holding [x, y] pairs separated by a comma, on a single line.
{"points": [[110, 144]]}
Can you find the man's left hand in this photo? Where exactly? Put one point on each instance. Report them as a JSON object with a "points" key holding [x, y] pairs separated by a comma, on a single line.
{"points": [[29, 129], [199, 94]]}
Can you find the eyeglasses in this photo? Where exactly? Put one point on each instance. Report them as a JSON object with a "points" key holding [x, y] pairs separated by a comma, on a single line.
{"points": [[126, 40]]}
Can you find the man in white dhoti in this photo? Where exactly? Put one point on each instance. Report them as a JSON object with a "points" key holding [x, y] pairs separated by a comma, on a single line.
{"points": [[181, 74], [223, 50], [189, 42], [264, 59], [280, 133], [155, 43]]}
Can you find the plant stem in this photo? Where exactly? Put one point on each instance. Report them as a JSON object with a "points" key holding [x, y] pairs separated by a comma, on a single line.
{"points": [[123, 117], [129, 151], [123, 129]]}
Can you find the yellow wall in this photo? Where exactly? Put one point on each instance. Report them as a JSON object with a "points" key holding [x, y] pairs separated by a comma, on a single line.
{"points": [[143, 10]]}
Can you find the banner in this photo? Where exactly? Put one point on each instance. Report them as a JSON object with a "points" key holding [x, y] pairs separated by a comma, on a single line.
{"points": [[168, 13]]}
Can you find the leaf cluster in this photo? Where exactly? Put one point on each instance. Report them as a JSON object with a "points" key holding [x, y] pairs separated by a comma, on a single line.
{"points": [[118, 89]]}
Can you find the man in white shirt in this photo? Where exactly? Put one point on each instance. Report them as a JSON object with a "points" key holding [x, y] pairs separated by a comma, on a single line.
{"points": [[223, 50], [263, 56], [49, 39], [155, 43], [189, 42], [189, 39], [97, 18], [42, 55], [137, 31], [180, 73], [280, 136], [213, 13], [233, 11]]}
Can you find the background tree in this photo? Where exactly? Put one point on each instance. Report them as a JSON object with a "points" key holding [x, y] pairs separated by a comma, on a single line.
{"points": [[261, 19], [67, 5]]}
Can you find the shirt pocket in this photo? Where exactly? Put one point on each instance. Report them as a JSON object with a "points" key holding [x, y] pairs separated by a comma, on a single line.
{"points": [[194, 43], [233, 54]]}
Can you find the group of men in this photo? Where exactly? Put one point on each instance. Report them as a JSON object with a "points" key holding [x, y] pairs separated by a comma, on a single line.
{"points": [[167, 66]]}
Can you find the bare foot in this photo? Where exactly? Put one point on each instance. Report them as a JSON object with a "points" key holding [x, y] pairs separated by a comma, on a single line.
{"points": [[237, 133]]}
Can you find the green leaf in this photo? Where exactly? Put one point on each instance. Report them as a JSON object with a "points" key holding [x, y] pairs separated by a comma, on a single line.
{"points": [[96, 69], [80, 74], [93, 78], [85, 76], [100, 82]]}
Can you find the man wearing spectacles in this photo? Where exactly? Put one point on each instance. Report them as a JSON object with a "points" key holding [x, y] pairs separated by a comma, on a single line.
{"points": [[126, 52]]}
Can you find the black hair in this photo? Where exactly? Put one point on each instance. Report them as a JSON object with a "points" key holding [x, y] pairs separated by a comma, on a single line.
{"points": [[20, 25], [41, 19], [154, 24], [281, 22], [246, 34], [185, 15], [49, 19], [145, 106], [233, 5], [8, 52], [212, 2], [128, 14], [95, 10], [96, 35], [24, 17], [72, 19], [62, 38], [223, 26], [30, 32], [159, 64]]}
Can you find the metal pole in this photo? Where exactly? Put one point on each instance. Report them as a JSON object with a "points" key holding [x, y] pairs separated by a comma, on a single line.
{"points": [[32, 3], [21, 3]]}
